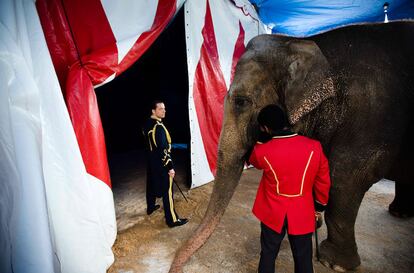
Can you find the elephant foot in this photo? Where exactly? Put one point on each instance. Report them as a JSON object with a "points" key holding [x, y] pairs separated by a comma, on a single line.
{"points": [[339, 259], [336, 268], [400, 211]]}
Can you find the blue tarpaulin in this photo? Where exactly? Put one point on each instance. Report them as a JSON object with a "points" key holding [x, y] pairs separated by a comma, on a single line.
{"points": [[303, 18]]}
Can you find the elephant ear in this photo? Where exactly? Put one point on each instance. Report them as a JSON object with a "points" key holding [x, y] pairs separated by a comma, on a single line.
{"points": [[308, 81]]}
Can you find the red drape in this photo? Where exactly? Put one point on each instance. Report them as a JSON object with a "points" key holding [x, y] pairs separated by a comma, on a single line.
{"points": [[84, 53], [210, 88]]}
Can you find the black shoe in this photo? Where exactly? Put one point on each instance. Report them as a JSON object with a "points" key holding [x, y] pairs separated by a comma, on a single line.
{"points": [[150, 211], [179, 222]]}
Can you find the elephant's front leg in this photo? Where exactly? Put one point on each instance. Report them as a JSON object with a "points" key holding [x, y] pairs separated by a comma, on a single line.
{"points": [[339, 250], [351, 178]]}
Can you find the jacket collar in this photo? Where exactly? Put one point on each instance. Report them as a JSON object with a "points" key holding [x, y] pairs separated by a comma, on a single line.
{"points": [[284, 134]]}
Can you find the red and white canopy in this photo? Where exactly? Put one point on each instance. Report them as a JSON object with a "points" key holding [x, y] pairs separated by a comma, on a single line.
{"points": [[57, 205], [96, 47]]}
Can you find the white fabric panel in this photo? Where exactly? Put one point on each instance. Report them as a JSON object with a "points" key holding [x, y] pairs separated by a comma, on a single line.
{"points": [[56, 217], [195, 11], [226, 18], [25, 238], [104, 203], [129, 20], [226, 29], [200, 169], [9, 174]]}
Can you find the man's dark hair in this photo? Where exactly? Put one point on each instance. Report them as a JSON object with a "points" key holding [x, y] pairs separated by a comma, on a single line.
{"points": [[154, 104], [273, 117]]}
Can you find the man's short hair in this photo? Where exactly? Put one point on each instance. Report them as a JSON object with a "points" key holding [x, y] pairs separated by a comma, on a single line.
{"points": [[273, 117], [154, 104]]}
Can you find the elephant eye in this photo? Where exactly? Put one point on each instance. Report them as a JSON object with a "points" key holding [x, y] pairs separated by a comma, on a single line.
{"points": [[241, 102]]}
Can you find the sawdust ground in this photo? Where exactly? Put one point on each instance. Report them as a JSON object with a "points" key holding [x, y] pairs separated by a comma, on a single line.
{"points": [[145, 244]]}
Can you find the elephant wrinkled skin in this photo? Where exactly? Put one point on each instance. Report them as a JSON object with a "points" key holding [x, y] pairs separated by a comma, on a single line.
{"points": [[351, 88]]}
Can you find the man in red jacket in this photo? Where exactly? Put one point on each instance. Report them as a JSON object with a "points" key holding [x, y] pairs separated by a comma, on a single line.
{"points": [[295, 182]]}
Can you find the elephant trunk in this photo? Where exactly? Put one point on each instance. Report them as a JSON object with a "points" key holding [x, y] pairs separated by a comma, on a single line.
{"points": [[229, 168]]}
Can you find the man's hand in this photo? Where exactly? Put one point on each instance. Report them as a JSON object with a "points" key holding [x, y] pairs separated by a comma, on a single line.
{"points": [[171, 173], [318, 218]]}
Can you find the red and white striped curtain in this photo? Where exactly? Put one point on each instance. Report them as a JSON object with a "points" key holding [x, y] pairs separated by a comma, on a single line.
{"points": [[91, 42], [48, 190], [217, 32], [94, 41]]}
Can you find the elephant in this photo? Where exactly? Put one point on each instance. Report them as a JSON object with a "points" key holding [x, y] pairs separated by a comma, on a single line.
{"points": [[351, 88]]}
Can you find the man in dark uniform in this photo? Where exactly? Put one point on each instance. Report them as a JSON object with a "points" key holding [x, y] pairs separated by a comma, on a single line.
{"points": [[160, 169], [293, 191]]}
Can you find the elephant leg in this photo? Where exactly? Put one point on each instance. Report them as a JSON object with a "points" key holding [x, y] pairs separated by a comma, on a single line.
{"points": [[403, 206], [402, 174], [340, 250], [351, 178]]}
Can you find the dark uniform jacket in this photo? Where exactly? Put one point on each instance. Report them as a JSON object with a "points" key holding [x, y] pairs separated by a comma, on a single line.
{"points": [[295, 174], [158, 143]]}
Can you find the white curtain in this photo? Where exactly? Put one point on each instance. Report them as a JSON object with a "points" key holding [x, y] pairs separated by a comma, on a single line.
{"points": [[54, 217]]}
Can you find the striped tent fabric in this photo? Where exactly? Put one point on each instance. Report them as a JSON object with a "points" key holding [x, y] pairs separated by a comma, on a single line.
{"points": [[57, 212], [217, 33]]}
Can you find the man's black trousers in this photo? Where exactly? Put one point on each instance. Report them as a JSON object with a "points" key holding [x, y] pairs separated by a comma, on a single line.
{"points": [[301, 246], [167, 200]]}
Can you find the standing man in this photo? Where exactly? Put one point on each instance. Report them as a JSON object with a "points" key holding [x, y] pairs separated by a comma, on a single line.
{"points": [[160, 169], [295, 182]]}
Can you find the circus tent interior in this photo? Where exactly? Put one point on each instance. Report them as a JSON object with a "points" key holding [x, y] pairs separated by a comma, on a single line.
{"points": [[76, 82]]}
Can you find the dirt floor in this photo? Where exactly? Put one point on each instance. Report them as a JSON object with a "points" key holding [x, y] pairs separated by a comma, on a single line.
{"points": [[145, 244]]}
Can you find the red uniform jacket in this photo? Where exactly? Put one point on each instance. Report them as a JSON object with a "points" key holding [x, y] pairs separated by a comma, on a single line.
{"points": [[295, 171]]}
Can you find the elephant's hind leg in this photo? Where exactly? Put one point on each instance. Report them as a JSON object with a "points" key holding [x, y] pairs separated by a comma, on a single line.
{"points": [[403, 205], [403, 175]]}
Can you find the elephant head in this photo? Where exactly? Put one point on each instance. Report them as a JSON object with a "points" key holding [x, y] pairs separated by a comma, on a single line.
{"points": [[291, 73]]}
